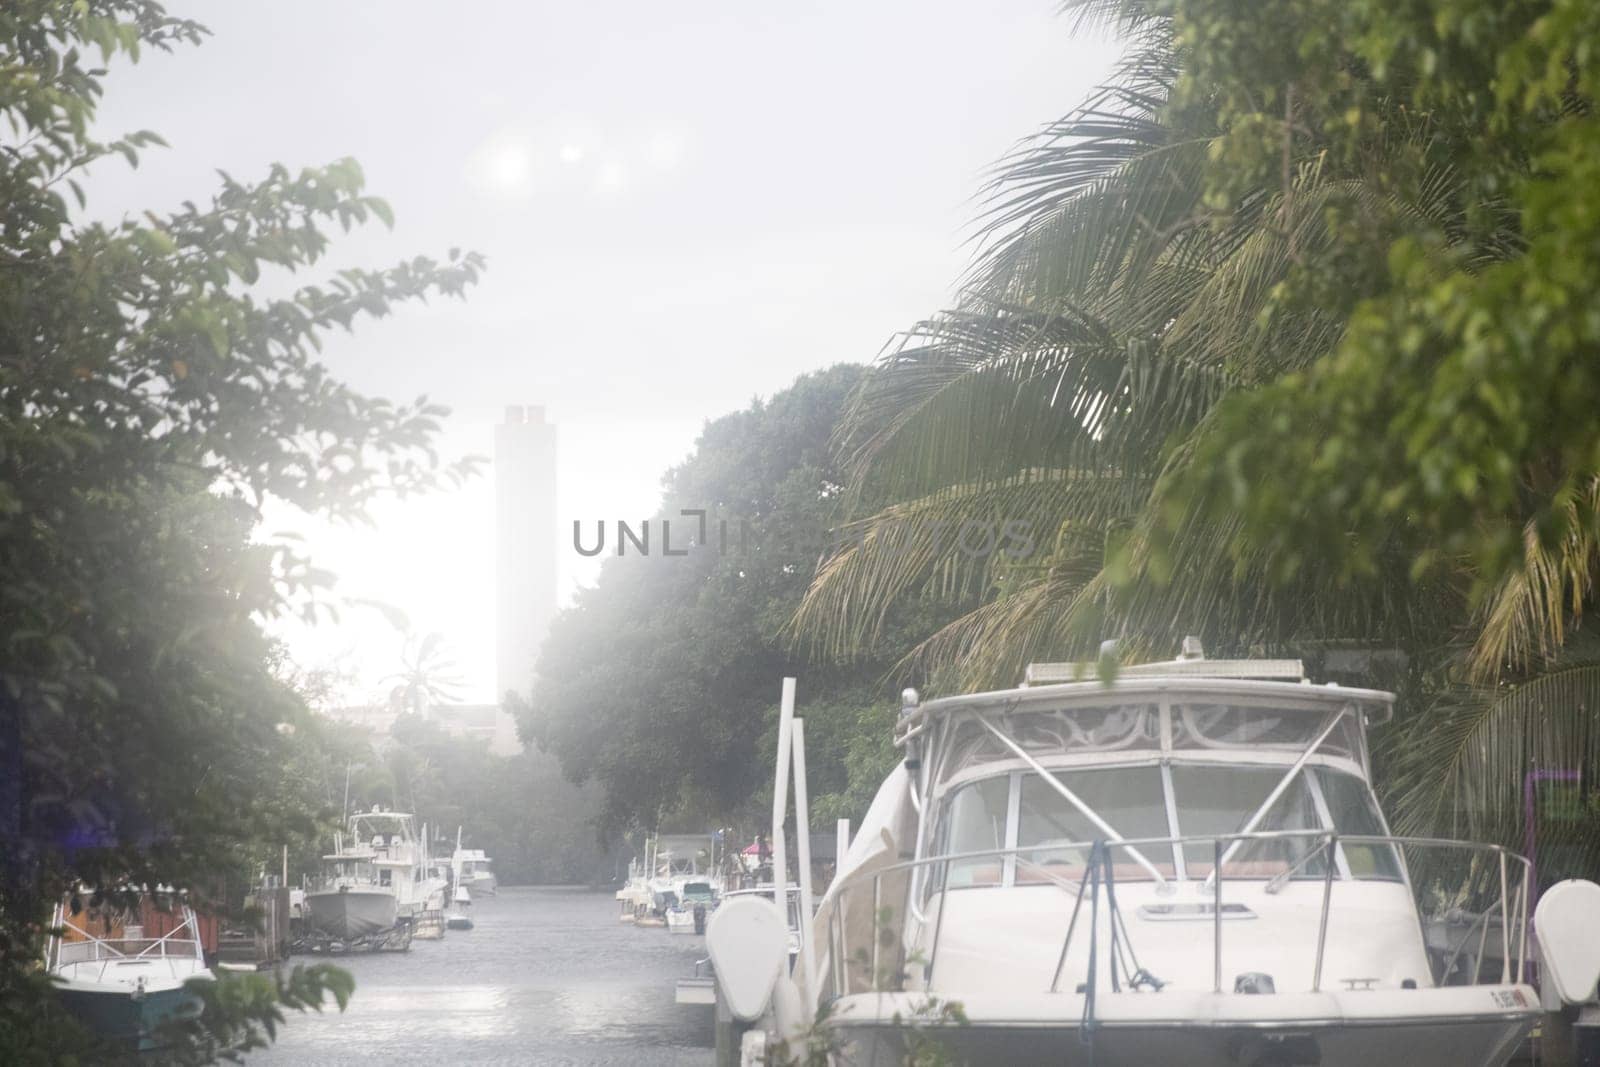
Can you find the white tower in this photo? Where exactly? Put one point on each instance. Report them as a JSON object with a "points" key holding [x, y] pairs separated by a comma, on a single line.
{"points": [[525, 553]]}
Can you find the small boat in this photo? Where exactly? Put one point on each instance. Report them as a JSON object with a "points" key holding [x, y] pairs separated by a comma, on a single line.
{"points": [[679, 860], [688, 915], [430, 922], [459, 917], [123, 973], [634, 896], [472, 869]]}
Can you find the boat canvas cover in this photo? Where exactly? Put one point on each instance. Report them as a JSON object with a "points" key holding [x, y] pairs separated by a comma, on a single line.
{"points": [[888, 828]]}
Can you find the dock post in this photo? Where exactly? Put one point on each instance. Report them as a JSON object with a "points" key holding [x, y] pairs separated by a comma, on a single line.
{"points": [[802, 833], [780, 801]]}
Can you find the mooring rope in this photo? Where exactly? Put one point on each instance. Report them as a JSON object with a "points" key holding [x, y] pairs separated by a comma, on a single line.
{"points": [[1123, 954]]}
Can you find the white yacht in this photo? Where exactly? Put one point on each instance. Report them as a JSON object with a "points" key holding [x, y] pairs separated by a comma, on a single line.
{"points": [[122, 974], [1185, 866], [375, 879], [472, 869], [634, 896]]}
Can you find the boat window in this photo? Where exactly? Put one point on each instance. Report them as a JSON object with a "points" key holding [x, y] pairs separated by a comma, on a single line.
{"points": [[1351, 804], [1120, 727], [1089, 729], [1201, 726], [976, 822], [1220, 800], [1055, 837]]}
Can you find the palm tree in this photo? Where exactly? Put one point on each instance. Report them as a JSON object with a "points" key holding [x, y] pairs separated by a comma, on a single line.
{"points": [[428, 678], [1112, 310]]}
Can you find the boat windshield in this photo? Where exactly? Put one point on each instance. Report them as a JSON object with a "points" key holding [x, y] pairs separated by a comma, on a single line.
{"points": [[1180, 728], [361, 870], [1053, 837]]}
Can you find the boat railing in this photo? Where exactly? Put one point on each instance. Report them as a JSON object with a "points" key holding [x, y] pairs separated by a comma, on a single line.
{"points": [[92, 948], [885, 929]]}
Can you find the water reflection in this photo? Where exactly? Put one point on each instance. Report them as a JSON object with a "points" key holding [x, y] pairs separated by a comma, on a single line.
{"points": [[548, 977]]}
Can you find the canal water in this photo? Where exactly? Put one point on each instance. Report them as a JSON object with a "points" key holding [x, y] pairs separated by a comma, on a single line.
{"points": [[547, 976]]}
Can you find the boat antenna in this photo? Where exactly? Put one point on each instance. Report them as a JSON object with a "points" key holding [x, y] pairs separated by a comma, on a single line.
{"points": [[345, 813]]}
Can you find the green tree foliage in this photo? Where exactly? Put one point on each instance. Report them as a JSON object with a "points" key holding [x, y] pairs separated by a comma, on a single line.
{"points": [[1449, 430], [150, 399], [661, 682], [536, 825], [1285, 338]]}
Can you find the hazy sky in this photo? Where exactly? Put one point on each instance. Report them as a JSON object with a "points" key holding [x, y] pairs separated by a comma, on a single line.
{"points": [[683, 205]]}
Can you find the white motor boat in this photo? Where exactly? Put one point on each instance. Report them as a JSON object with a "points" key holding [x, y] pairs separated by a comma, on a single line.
{"points": [[374, 881], [634, 896], [348, 902], [792, 912], [473, 870], [678, 861], [459, 916], [1185, 866], [693, 905], [121, 975]]}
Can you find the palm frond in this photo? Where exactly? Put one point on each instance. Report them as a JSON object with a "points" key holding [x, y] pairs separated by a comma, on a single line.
{"points": [[972, 397], [961, 542], [990, 646], [1459, 767], [1525, 620]]}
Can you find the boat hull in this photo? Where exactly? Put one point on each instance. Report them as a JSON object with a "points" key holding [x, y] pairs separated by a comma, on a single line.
{"points": [[482, 882], [869, 1033], [350, 913], [125, 1017]]}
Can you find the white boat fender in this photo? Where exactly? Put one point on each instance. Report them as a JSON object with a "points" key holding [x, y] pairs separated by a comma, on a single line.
{"points": [[747, 939], [789, 1012], [1569, 938], [753, 1049]]}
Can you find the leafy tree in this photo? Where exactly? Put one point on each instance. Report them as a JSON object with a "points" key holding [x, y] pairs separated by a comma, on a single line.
{"points": [[1282, 338], [537, 826], [661, 682], [1450, 430], [149, 401]]}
